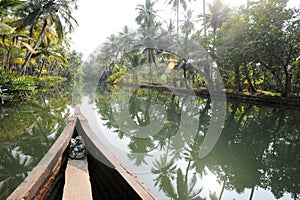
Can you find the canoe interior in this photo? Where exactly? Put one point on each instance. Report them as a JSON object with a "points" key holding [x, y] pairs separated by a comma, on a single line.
{"points": [[108, 177], [55, 190], [107, 183], [52, 188]]}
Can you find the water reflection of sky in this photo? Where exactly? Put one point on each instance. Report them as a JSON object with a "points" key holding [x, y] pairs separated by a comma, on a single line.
{"points": [[208, 181]]}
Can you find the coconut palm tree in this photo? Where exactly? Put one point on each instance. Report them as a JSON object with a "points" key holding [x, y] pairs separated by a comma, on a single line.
{"points": [[219, 12], [135, 60], [126, 38], [146, 14], [147, 37], [39, 14], [218, 15], [188, 23], [175, 6], [11, 46], [6, 6]]}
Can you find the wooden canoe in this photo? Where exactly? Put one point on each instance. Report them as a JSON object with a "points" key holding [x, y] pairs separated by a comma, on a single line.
{"points": [[109, 178]]}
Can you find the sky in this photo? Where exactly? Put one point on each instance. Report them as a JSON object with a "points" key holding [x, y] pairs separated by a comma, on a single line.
{"points": [[98, 19]]}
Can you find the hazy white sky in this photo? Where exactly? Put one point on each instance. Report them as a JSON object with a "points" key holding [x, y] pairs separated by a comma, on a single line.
{"points": [[98, 19]]}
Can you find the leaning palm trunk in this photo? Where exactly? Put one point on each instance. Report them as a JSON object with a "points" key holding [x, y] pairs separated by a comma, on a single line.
{"points": [[3, 61], [150, 65], [29, 54], [7, 60], [177, 10], [204, 18]]}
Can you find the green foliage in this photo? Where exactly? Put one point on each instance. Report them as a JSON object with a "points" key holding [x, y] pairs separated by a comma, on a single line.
{"points": [[4, 96], [256, 47], [34, 38], [15, 88]]}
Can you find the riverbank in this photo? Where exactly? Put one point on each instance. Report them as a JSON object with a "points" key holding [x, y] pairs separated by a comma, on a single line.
{"points": [[259, 98], [18, 88]]}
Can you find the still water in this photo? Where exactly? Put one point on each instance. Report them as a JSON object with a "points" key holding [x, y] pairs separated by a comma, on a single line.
{"points": [[257, 155], [27, 131], [159, 135]]}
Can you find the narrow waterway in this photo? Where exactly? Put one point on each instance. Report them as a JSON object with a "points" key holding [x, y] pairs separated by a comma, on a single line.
{"points": [[256, 156]]}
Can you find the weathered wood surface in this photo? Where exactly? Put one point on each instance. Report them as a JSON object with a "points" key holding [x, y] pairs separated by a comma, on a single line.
{"points": [[49, 165], [77, 181], [38, 182]]}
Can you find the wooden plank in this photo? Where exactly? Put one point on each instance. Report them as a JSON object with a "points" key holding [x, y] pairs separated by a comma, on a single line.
{"points": [[30, 187], [77, 183]]}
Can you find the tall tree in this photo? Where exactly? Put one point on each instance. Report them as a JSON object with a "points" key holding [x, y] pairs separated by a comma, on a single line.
{"points": [[176, 5], [219, 12], [274, 36], [188, 23], [146, 14], [204, 17], [43, 13]]}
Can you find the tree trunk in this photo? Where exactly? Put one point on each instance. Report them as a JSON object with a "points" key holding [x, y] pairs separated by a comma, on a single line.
{"points": [[222, 191], [23, 68], [150, 65], [43, 62], [287, 83], [237, 78], [204, 18], [7, 60], [251, 88], [251, 194], [177, 13]]}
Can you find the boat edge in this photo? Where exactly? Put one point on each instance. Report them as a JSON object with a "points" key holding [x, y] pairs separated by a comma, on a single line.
{"points": [[48, 165]]}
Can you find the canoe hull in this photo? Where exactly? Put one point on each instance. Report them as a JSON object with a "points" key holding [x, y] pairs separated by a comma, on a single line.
{"points": [[109, 178]]}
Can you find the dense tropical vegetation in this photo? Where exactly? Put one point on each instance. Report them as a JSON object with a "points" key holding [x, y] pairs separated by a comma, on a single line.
{"points": [[34, 45], [255, 47]]}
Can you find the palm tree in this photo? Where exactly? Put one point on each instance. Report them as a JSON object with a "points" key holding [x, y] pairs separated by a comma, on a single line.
{"points": [[11, 46], [171, 28], [146, 14], [8, 5], [126, 38], [135, 60], [219, 12], [150, 41], [175, 5], [43, 13], [189, 23], [165, 170], [185, 189], [218, 15]]}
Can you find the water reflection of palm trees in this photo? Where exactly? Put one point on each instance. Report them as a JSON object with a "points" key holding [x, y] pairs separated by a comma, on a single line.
{"points": [[29, 129], [168, 172], [259, 147]]}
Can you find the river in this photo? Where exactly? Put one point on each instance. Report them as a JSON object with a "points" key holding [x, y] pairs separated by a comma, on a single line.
{"points": [[159, 136]]}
